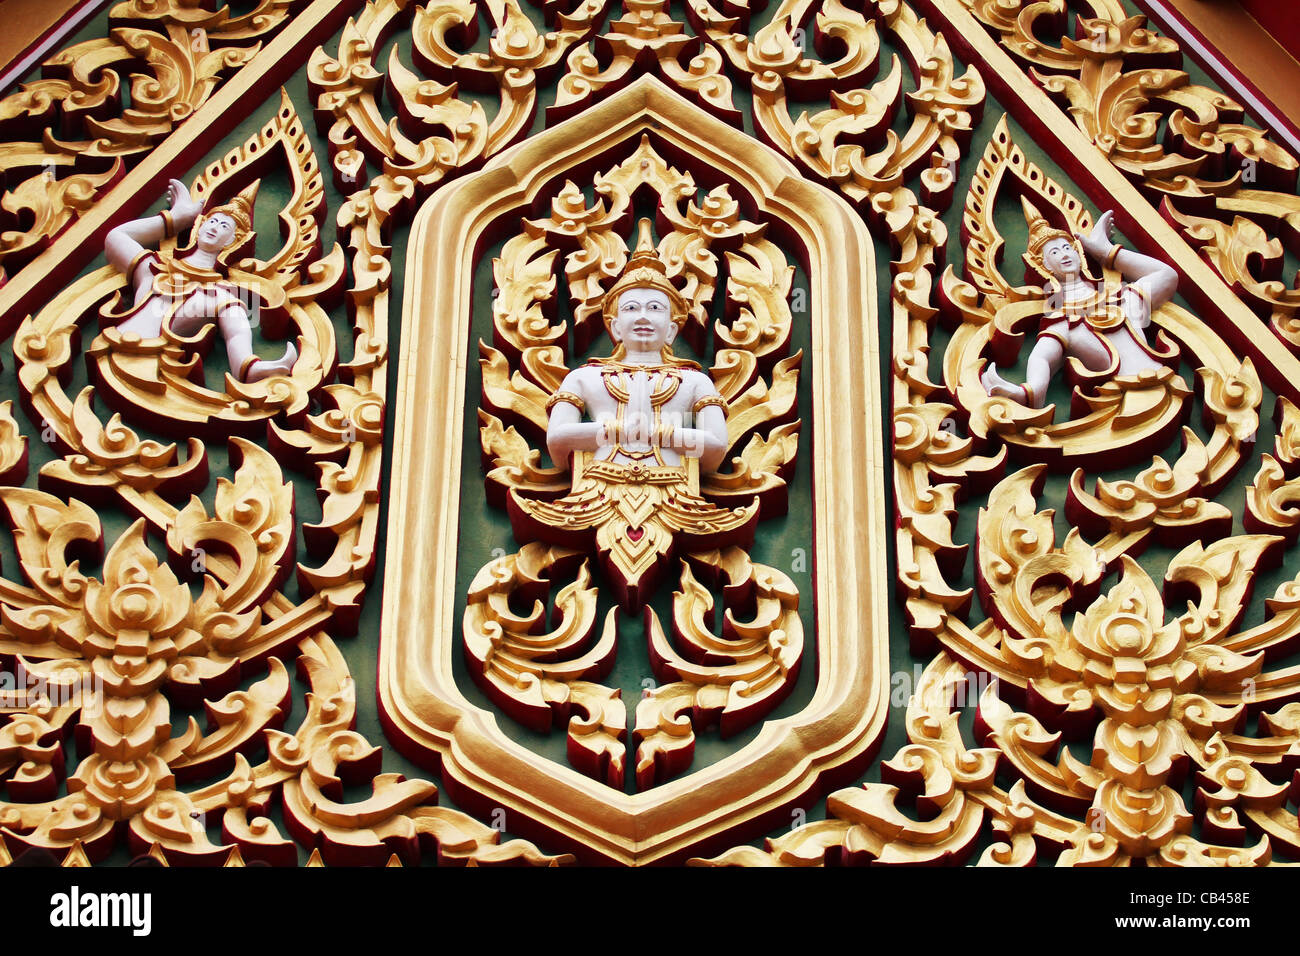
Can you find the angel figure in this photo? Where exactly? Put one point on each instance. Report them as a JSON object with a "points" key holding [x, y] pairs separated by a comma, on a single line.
{"points": [[639, 397], [1101, 324], [183, 293], [655, 423]]}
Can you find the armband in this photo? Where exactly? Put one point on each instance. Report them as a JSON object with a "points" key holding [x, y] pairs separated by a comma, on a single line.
{"points": [[136, 260], [708, 400], [572, 399], [169, 224], [1115, 250], [1054, 334]]}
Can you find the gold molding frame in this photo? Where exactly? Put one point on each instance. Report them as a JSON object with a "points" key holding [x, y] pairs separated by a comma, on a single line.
{"points": [[423, 709]]}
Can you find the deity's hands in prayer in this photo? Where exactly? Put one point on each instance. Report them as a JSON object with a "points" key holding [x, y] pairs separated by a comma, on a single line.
{"points": [[654, 423], [644, 404], [184, 293]]}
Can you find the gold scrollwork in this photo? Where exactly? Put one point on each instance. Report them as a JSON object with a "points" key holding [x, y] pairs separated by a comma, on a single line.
{"points": [[118, 653], [636, 525], [168, 56], [1119, 81]]}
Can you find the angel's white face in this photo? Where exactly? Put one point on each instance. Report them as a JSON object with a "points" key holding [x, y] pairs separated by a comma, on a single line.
{"points": [[644, 320], [216, 233], [1061, 259]]}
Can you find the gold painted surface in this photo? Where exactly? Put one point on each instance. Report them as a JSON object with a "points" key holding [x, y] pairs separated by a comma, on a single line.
{"points": [[1228, 187], [135, 165], [70, 123], [1061, 636], [417, 687], [117, 652], [1056, 651], [1248, 47], [640, 516], [26, 21]]}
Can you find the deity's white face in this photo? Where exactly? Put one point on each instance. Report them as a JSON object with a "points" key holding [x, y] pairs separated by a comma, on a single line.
{"points": [[644, 320], [216, 233], [1061, 259]]}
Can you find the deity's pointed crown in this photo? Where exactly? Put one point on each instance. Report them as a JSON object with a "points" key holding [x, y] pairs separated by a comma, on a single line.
{"points": [[1041, 232], [240, 209], [645, 270]]}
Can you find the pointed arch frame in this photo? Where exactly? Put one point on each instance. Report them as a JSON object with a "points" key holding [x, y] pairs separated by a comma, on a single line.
{"points": [[426, 715]]}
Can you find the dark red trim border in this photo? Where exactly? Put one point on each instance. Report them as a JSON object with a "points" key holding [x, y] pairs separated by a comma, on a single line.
{"points": [[1230, 77], [47, 42]]}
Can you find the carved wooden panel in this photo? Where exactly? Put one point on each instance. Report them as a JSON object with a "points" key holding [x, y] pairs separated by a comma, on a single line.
{"points": [[1084, 615]]}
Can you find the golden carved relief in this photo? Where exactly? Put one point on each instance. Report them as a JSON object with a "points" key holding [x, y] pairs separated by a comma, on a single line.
{"points": [[1114, 659], [1058, 653], [541, 673], [1224, 183], [115, 654], [637, 518], [70, 135]]}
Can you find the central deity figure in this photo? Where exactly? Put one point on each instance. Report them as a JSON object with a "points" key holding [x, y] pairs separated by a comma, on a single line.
{"points": [[1101, 324], [654, 423]]}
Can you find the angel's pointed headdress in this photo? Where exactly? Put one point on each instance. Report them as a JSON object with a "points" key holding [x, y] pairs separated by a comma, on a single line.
{"points": [[645, 270], [1041, 232], [239, 209]]}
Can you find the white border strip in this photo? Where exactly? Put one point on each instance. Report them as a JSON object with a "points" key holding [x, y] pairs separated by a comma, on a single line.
{"points": [[1227, 75], [52, 39]]}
